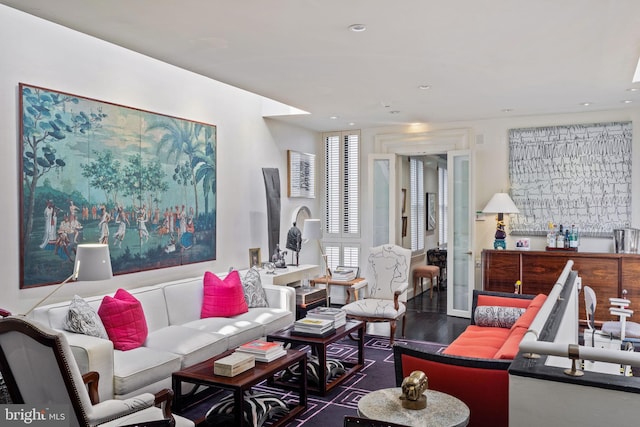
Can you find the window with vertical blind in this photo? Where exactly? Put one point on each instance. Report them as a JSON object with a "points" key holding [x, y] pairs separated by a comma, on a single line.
{"points": [[443, 207], [342, 198], [342, 254], [416, 182]]}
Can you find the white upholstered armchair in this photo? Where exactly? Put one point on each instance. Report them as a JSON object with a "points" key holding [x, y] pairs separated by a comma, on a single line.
{"points": [[387, 274], [39, 369]]}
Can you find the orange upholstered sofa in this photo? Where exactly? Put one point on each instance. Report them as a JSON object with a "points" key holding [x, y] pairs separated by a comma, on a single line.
{"points": [[474, 368]]}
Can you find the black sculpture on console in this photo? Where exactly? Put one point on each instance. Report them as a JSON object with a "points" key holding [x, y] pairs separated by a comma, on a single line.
{"points": [[294, 242]]}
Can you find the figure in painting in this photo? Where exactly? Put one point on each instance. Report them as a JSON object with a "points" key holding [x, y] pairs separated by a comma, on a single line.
{"points": [[51, 224], [141, 218], [73, 211], [63, 241], [103, 225], [123, 221], [188, 237], [76, 230]]}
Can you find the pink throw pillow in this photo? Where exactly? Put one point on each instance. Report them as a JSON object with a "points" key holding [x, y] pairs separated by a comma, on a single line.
{"points": [[223, 298], [123, 318]]}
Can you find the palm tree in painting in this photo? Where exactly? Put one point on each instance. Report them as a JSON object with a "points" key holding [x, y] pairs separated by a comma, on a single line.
{"points": [[206, 173], [184, 138]]}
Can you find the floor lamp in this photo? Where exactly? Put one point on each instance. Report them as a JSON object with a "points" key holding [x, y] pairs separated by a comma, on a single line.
{"points": [[92, 262], [312, 230]]}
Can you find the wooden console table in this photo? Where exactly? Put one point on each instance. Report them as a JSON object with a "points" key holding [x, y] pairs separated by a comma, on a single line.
{"points": [[291, 275], [608, 274], [329, 282]]}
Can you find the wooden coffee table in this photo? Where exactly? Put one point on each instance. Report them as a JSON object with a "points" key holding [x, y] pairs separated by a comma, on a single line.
{"points": [[319, 347], [202, 374]]}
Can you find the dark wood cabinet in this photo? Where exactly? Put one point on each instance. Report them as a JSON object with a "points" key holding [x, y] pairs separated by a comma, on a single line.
{"points": [[607, 274]]}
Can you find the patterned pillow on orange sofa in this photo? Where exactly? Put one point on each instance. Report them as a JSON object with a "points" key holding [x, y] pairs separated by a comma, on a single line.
{"points": [[497, 316]]}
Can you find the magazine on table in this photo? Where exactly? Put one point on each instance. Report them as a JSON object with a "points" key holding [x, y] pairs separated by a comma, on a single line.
{"points": [[268, 357], [261, 347], [313, 323]]}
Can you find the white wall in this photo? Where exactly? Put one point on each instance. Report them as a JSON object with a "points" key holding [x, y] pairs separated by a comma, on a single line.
{"points": [[44, 54]]}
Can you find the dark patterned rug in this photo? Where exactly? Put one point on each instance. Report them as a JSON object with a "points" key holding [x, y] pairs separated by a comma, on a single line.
{"points": [[330, 410]]}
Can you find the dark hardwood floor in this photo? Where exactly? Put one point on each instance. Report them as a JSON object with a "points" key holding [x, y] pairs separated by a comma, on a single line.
{"points": [[427, 320]]}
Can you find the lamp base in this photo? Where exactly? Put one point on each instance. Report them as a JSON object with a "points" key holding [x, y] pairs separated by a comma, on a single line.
{"points": [[499, 244]]}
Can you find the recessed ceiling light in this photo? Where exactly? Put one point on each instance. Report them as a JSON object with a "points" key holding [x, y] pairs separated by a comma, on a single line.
{"points": [[357, 28], [506, 110], [585, 104], [333, 117], [633, 89], [352, 124], [424, 87], [627, 101]]}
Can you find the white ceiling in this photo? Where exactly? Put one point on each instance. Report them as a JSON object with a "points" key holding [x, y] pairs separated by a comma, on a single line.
{"points": [[480, 57]]}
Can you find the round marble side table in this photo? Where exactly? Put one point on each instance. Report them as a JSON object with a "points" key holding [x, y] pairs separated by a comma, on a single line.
{"points": [[442, 409]]}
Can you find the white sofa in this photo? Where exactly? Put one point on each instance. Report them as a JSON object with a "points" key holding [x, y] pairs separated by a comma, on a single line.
{"points": [[177, 336]]}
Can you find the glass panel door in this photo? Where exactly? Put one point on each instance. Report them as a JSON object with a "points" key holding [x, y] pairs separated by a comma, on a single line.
{"points": [[382, 194], [460, 273]]}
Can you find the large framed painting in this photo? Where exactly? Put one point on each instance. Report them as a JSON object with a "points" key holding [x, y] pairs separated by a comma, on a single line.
{"points": [[577, 174], [94, 171]]}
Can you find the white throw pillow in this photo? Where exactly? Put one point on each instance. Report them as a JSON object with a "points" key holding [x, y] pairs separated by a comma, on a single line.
{"points": [[83, 319], [254, 294]]}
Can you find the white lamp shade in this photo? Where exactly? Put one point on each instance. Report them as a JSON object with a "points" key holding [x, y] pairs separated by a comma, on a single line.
{"points": [[501, 203], [312, 229], [92, 262]]}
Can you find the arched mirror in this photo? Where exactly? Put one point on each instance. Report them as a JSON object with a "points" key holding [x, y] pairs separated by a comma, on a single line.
{"points": [[300, 214]]}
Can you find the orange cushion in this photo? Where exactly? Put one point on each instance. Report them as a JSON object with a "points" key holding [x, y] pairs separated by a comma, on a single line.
{"points": [[510, 348], [503, 301], [478, 341], [533, 309]]}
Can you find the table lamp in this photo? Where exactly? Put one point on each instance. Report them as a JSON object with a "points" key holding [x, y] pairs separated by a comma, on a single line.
{"points": [[313, 231], [92, 263], [500, 204]]}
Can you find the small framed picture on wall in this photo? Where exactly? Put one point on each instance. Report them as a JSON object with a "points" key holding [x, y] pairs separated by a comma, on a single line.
{"points": [[301, 174], [254, 258]]}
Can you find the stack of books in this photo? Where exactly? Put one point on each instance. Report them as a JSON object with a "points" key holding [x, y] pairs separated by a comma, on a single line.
{"points": [[313, 327], [263, 351], [338, 316], [343, 274]]}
